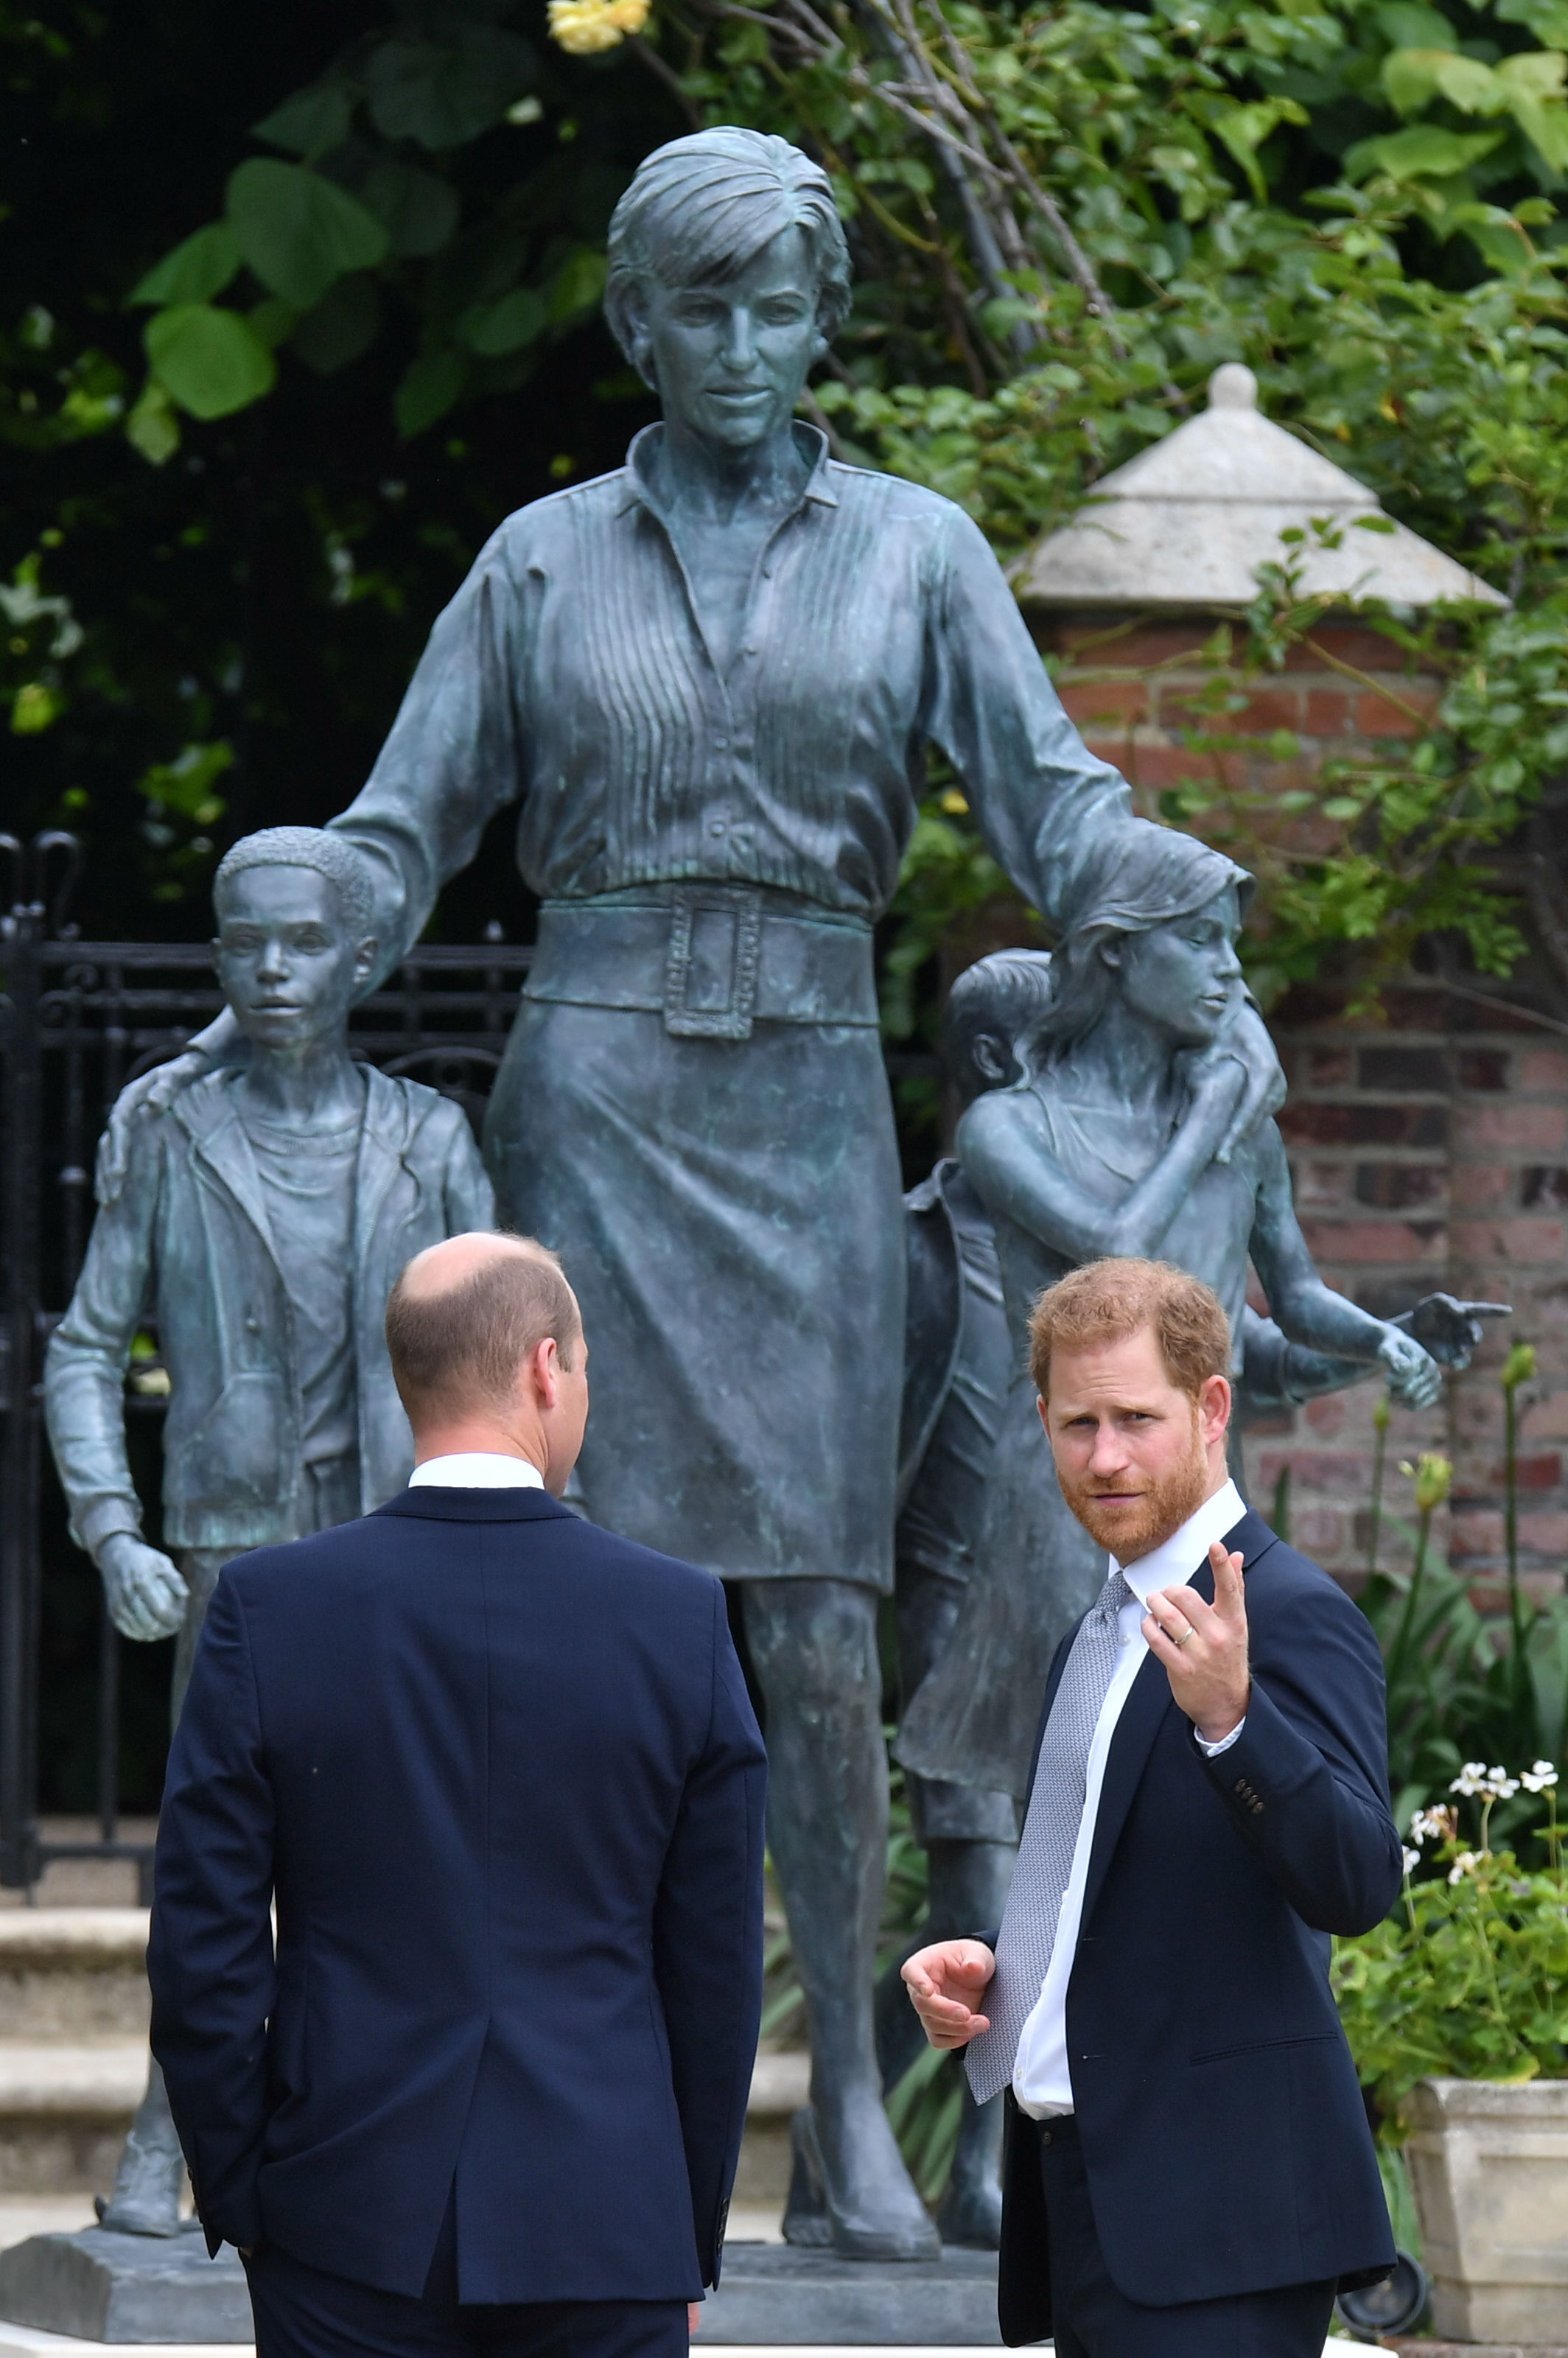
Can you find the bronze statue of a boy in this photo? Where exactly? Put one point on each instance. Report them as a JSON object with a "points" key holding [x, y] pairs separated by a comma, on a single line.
{"points": [[258, 1223]]}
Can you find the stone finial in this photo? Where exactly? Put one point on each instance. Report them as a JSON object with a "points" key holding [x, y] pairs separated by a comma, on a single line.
{"points": [[1185, 525]]}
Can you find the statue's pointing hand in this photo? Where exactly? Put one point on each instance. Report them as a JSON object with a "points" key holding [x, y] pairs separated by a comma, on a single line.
{"points": [[146, 1595], [1450, 1330]]}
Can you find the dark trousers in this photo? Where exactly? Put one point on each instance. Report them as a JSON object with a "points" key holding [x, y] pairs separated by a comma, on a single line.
{"points": [[301, 2313], [1092, 2319]]}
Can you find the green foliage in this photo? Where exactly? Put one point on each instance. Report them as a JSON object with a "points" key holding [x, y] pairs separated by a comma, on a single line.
{"points": [[209, 361], [1468, 1978]]}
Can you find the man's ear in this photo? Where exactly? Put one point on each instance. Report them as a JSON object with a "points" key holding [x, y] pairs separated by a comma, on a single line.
{"points": [[1214, 1409], [364, 958]]}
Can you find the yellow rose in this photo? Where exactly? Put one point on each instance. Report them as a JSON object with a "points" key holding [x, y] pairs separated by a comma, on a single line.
{"points": [[585, 26]]}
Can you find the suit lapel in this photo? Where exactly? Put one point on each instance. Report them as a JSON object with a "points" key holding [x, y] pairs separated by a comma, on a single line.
{"points": [[1146, 1705]]}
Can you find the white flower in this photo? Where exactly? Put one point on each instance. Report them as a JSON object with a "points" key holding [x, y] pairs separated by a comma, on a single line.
{"points": [[1500, 1786], [1539, 1780], [1465, 1863], [1471, 1780], [1437, 1824], [1412, 1859]]}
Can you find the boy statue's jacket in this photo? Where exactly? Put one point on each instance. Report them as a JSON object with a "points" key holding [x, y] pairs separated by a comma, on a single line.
{"points": [[185, 1242]]}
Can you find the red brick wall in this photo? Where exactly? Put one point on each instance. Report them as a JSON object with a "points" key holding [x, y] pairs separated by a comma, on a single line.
{"points": [[1131, 691], [1429, 1151]]}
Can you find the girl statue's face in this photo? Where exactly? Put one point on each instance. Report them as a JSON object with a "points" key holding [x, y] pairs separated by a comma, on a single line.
{"points": [[1182, 978]]}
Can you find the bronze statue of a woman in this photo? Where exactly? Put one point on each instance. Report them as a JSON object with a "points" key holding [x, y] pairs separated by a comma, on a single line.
{"points": [[709, 681]]}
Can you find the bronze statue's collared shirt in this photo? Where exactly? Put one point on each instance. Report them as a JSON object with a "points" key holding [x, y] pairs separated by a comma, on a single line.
{"points": [[570, 671]]}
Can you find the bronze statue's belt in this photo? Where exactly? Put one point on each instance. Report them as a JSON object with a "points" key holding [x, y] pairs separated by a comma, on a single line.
{"points": [[710, 958]]}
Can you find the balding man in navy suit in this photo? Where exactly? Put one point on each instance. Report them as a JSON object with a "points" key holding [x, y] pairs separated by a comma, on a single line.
{"points": [[498, 1771]]}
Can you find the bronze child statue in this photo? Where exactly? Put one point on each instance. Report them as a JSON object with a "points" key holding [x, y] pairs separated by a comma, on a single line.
{"points": [[258, 1225], [1109, 1140]]}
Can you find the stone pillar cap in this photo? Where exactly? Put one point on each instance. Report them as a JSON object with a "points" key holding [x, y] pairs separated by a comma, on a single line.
{"points": [[1185, 525]]}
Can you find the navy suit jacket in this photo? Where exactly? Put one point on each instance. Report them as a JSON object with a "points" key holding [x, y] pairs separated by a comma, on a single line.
{"points": [[1223, 2130], [499, 1769]]}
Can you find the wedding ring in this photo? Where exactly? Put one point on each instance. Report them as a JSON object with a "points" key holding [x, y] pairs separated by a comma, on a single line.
{"points": [[1188, 1632]]}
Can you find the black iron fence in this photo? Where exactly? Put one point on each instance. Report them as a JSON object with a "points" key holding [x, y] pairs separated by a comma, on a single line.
{"points": [[78, 1020]]}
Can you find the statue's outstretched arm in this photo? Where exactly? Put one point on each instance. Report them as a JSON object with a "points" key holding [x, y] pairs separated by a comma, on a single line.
{"points": [[1309, 1311]]}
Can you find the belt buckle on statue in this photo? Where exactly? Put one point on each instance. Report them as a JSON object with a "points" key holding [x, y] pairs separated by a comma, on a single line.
{"points": [[710, 969]]}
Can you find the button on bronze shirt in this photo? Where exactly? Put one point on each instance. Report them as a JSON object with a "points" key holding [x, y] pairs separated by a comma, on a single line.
{"points": [[569, 671]]}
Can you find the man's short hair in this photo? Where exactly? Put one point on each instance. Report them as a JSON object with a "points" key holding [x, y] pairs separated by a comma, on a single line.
{"points": [[1107, 1300], [461, 1346], [331, 855], [703, 207]]}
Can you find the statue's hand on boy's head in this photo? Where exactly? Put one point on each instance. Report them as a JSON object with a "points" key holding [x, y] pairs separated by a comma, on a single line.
{"points": [[144, 1590]]}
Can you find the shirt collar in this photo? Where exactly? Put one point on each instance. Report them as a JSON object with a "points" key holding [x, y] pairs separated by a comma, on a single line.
{"points": [[1175, 1561], [476, 1469], [810, 442]]}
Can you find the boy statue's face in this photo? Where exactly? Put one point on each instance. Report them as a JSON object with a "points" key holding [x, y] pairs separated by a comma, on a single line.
{"points": [[288, 964]]}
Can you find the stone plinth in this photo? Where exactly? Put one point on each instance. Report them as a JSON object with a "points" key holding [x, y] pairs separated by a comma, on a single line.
{"points": [[102, 2288], [771, 2293]]}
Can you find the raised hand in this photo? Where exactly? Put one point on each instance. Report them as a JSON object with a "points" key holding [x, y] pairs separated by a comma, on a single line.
{"points": [[1248, 1040], [1204, 1648], [146, 1595], [945, 1983], [1415, 1379]]}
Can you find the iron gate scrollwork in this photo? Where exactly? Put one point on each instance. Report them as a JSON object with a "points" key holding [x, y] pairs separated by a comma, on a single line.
{"points": [[78, 1020]]}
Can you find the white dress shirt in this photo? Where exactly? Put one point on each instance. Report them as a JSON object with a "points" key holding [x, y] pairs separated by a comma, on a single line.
{"points": [[1041, 2081], [476, 1469]]}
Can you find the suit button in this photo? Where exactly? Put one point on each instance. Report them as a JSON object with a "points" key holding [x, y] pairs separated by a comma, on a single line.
{"points": [[1044, 2136], [1239, 1786]]}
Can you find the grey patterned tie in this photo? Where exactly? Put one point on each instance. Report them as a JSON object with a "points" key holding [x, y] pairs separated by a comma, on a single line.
{"points": [[1050, 1837]]}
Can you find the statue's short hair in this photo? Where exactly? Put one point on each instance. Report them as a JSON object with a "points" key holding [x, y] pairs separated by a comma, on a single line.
{"points": [[1109, 1300], [331, 855], [1007, 992], [459, 1347], [703, 207]]}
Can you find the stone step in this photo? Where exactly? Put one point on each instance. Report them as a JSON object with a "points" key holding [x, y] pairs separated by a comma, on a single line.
{"points": [[780, 2084], [73, 1973], [64, 2111]]}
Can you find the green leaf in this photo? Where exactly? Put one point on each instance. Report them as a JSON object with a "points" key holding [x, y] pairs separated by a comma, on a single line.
{"points": [[34, 707], [340, 327], [578, 284], [298, 231], [200, 267], [1426, 151], [1535, 75], [1471, 86], [1408, 26], [311, 122], [1547, 19], [494, 328], [446, 96], [153, 427], [419, 211], [211, 362], [430, 385], [185, 784]]}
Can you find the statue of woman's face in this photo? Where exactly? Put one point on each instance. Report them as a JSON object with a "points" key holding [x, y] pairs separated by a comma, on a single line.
{"points": [[1181, 977], [731, 357]]}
